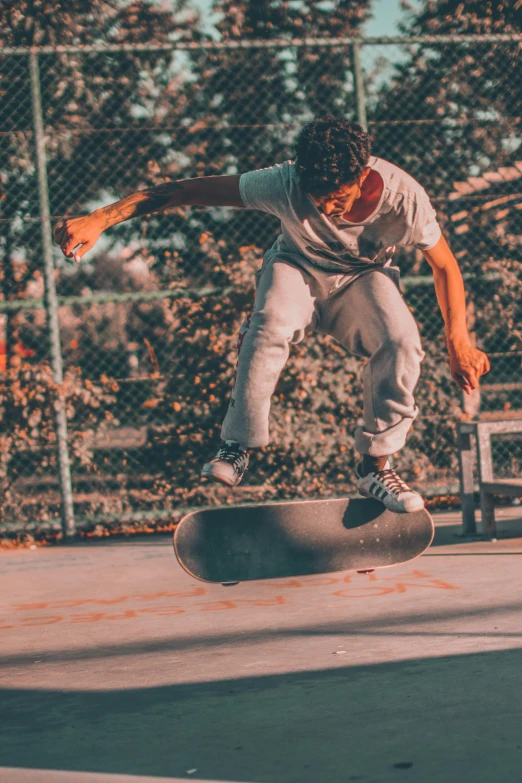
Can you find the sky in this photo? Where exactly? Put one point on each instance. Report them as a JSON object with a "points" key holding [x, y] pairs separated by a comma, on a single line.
{"points": [[387, 13]]}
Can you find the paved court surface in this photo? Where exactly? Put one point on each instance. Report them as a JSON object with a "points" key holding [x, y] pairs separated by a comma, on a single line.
{"points": [[116, 666]]}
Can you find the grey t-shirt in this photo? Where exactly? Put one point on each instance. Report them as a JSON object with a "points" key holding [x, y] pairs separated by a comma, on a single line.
{"points": [[404, 217]]}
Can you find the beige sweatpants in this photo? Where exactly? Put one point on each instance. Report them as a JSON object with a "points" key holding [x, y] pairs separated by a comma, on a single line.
{"points": [[368, 316]]}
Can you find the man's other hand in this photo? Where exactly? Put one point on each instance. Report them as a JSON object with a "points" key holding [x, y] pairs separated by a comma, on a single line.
{"points": [[77, 235], [467, 365]]}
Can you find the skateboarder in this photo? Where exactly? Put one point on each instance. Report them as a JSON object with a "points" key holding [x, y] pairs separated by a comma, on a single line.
{"points": [[343, 213]]}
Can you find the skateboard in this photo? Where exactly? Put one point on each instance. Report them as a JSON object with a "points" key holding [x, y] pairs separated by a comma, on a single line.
{"points": [[231, 544]]}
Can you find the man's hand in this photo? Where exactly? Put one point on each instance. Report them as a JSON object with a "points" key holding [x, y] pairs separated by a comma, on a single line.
{"points": [[77, 235], [467, 364]]}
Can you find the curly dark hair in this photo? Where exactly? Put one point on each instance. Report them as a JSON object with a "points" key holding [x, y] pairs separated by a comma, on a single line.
{"points": [[330, 152]]}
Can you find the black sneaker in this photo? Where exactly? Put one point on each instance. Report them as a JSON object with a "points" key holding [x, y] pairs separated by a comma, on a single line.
{"points": [[228, 466]]}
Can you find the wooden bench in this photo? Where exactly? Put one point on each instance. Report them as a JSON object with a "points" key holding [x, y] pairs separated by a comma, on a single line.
{"points": [[482, 430]]}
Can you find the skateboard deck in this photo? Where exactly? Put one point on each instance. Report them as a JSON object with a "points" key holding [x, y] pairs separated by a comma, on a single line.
{"points": [[241, 543]]}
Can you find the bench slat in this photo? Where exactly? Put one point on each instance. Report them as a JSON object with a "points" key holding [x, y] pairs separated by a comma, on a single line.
{"points": [[511, 486]]}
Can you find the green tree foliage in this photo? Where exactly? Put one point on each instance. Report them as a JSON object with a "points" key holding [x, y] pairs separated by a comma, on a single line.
{"points": [[457, 105], [484, 17], [99, 110]]}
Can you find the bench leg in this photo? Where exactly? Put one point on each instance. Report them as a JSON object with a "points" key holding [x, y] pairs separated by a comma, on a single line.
{"points": [[487, 506], [466, 458]]}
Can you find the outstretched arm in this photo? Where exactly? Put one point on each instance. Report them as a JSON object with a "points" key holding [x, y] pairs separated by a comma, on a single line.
{"points": [[467, 363], [78, 235]]}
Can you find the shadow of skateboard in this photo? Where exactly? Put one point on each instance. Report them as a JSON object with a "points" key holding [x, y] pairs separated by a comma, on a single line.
{"points": [[230, 544]]}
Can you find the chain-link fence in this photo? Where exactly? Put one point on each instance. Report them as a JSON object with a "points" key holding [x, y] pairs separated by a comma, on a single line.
{"points": [[116, 373]]}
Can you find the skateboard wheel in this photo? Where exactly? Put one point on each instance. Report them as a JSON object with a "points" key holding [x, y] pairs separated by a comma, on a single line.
{"points": [[229, 584], [366, 571]]}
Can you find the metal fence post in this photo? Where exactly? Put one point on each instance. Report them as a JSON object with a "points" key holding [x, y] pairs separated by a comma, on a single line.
{"points": [[51, 303], [358, 80]]}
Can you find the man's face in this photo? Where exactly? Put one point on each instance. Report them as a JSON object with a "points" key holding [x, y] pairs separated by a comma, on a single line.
{"points": [[343, 199]]}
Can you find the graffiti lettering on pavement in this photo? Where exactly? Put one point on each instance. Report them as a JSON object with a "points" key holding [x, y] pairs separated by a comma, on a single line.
{"points": [[166, 603]]}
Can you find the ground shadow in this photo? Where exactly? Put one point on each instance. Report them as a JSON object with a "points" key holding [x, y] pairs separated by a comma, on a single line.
{"points": [[392, 626], [434, 720]]}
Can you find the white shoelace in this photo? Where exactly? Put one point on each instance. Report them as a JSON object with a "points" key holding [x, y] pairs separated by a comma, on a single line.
{"points": [[393, 483]]}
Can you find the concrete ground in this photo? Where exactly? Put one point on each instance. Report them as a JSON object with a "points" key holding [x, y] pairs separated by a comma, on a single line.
{"points": [[117, 666]]}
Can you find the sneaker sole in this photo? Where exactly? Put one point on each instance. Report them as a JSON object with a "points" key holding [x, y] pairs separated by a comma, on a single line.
{"points": [[366, 494], [219, 478]]}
